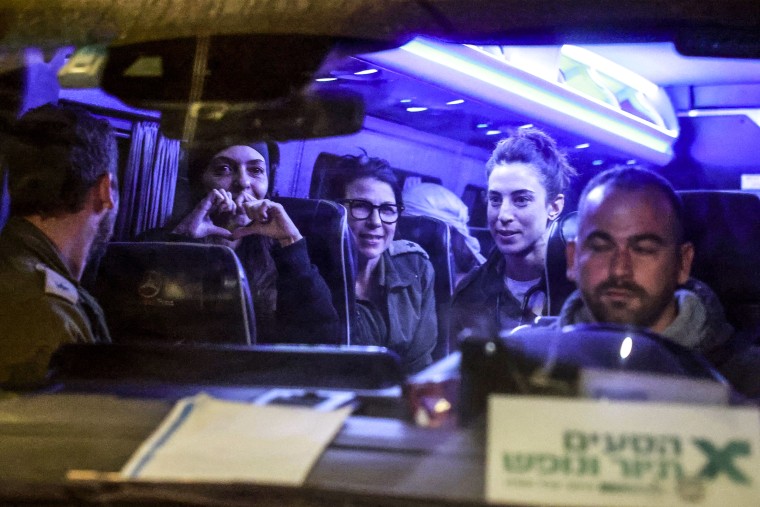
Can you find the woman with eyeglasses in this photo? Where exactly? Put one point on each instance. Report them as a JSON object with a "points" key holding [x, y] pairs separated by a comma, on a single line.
{"points": [[394, 279]]}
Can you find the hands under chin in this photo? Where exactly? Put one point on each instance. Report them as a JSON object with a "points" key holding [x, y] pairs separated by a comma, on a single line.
{"points": [[221, 215]]}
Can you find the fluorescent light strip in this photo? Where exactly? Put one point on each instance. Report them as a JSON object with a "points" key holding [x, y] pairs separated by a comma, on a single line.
{"points": [[752, 114], [527, 90], [610, 68]]}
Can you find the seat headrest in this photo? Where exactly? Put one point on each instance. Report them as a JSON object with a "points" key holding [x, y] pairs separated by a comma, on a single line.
{"points": [[558, 286], [323, 224], [724, 227], [434, 236]]}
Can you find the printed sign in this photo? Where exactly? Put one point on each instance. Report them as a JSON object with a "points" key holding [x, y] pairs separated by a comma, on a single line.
{"points": [[587, 452]]}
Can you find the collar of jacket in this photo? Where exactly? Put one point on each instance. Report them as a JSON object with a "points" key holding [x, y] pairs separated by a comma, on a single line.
{"points": [[493, 270], [23, 232], [397, 271]]}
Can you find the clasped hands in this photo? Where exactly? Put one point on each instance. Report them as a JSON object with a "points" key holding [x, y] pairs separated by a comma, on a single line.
{"points": [[220, 214]]}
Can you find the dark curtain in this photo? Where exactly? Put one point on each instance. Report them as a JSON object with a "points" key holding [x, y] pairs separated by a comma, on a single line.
{"points": [[5, 199], [149, 182]]}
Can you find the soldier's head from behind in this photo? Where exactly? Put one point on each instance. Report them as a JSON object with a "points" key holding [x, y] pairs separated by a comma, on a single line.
{"points": [[62, 161], [629, 256]]}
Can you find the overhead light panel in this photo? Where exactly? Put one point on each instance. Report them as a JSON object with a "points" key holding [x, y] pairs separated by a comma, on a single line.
{"points": [[478, 75]]}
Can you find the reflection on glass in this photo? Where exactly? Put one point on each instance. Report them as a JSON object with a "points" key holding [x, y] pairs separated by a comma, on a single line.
{"points": [[625, 347]]}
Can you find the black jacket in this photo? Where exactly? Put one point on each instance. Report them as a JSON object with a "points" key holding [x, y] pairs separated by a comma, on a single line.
{"points": [[482, 304]]}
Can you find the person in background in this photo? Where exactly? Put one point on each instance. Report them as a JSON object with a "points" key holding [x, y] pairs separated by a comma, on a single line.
{"points": [[527, 177], [231, 185], [394, 279], [433, 200], [62, 165]]}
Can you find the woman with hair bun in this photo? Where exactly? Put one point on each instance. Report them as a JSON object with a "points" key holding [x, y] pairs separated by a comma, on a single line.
{"points": [[527, 177]]}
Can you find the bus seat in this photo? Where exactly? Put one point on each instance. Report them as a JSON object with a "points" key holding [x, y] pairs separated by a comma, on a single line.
{"points": [[558, 286], [174, 293], [323, 224], [483, 235], [724, 227], [434, 237]]}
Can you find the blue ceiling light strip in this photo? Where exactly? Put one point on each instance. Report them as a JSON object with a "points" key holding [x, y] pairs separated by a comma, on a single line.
{"points": [[479, 76]]}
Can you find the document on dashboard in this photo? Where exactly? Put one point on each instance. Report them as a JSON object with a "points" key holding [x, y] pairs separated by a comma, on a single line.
{"points": [[208, 439]]}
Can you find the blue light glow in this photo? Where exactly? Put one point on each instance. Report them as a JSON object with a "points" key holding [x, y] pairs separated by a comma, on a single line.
{"points": [[405, 101], [547, 98], [482, 125], [326, 79], [597, 162], [582, 146], [365, 72], [493, 132], [416, 109], [455, 102]]}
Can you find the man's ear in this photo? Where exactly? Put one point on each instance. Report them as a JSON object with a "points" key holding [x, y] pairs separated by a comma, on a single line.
{"points": [[570, 255], [105, 198], [555, 207], [687, 257]]}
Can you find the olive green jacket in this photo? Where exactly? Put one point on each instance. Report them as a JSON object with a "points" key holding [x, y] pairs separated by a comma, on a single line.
{"points": [[41, 306]]}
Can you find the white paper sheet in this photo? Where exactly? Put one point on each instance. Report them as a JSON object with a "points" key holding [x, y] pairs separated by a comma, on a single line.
{"points": [[207, 439]]}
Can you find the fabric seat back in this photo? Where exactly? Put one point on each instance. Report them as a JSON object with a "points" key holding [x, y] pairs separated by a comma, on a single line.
{"points": [[323, 224], [434, 237], [558, 286], [174, 293], [724, 227]]}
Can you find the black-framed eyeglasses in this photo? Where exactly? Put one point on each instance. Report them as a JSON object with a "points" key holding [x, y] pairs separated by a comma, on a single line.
{"points": [[361, 210]]}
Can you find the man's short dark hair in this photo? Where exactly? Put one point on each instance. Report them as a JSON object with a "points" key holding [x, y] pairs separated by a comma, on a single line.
{"points": [[633, 178], [54, 155]]}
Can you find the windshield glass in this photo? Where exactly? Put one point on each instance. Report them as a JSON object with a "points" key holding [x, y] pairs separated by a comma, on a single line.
{"points": [[290, 182]]}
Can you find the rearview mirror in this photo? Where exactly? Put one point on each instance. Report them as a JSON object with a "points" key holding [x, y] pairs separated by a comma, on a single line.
{"points": [[234, 86]]}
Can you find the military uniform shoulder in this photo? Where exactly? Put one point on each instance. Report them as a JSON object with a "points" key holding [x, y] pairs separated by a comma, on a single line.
{"points": [[403, 247], [56, 285]]}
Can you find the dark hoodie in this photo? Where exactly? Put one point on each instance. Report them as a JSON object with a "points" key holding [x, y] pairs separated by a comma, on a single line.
{"points": [[700, 325]]}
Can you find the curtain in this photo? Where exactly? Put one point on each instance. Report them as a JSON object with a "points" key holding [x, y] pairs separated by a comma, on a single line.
{"points": [[150, 179], [5, 198]]}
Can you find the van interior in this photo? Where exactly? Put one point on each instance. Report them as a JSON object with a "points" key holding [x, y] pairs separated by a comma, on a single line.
{"points": [[429, 86]]}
